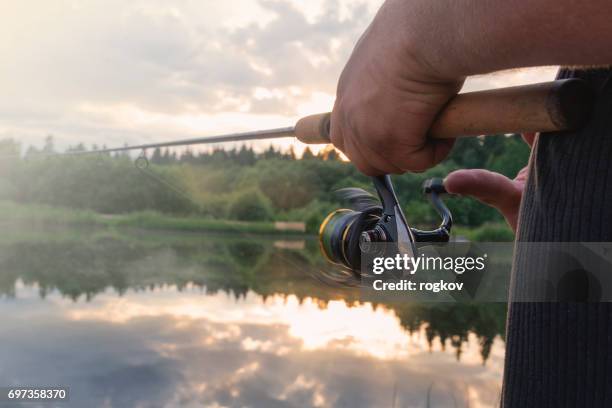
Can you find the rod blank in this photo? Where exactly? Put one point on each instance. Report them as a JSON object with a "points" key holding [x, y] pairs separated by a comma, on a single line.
{"points": [[545, 107], [231, 137]]}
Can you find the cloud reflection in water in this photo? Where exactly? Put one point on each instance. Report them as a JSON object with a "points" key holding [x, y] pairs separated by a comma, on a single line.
{"points": [[188, 348]]}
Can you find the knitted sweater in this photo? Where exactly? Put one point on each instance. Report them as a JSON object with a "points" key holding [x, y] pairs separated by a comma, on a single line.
{"points": [[560, 354]]}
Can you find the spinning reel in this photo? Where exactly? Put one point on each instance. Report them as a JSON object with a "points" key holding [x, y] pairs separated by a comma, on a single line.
{"points": [[347, 233]]}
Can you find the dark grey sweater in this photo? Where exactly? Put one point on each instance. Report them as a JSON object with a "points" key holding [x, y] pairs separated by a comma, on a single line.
{"points": [[560, 354]]}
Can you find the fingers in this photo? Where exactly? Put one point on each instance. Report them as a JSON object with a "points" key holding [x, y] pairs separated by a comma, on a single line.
{"points": [[432, 153], [522, 175], [369, 164], [379, 164], [493, 189], [335, 132], [380, 155], [368, 161], [529, 138]]}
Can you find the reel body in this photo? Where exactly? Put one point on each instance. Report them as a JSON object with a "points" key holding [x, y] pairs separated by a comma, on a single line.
{"points": [[347, 233]]}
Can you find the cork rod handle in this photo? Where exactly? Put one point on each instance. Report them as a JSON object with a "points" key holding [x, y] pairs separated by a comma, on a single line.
{"points": [[544, 107]]}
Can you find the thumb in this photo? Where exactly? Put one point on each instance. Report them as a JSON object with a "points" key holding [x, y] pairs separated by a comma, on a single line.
{"points": [[491, 188]]}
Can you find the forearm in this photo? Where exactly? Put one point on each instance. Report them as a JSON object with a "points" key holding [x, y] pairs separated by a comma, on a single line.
{"points": [[467, 37]]}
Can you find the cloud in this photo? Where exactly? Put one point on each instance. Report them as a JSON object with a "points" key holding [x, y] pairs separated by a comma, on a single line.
{"points": [[74, 69], [190, 349]]}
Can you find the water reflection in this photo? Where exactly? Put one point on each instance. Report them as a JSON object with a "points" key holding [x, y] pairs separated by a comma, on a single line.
{"points": [[127, 320]]}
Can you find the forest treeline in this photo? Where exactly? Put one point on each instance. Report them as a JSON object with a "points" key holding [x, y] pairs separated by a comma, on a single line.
{"points": [[236, 184]]}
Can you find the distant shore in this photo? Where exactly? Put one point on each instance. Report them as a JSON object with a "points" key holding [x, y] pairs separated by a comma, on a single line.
{"points": [[42, 214], [35, 214]]}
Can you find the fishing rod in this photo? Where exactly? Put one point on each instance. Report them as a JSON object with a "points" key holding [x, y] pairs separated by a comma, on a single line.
{"points": [[348, 233], [544, 107]]}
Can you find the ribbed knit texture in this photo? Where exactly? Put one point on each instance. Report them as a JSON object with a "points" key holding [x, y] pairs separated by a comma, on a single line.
{"points": [[560, 354]]}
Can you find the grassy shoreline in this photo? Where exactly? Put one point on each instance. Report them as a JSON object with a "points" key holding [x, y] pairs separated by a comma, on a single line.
{"points": [[35, 214], [43, 214]]}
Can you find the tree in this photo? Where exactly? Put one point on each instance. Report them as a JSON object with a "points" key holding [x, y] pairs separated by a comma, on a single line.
{"points": [[251, 205], [307, 155], [9, 148], [48, 148], [288, 184], [156, 158], [271, 153], [245, 156]]}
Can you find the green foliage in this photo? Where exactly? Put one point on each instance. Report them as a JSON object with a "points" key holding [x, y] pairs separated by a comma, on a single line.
{"points": [[312, 215], [99, 183], [239, 183], [493, 233], [251, 205], [506, 163], [489, 232], [288, 185], [40, 215]]}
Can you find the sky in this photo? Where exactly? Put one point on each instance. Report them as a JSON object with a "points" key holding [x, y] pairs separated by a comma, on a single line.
{"points": [[110, 72]]}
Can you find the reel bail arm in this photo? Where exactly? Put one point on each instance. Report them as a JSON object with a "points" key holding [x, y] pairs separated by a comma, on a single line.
{"points": [[434, 188], [393, 227]]}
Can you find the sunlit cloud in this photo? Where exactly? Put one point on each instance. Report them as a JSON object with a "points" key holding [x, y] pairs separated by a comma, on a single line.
{"points": [[360, 329], [115, 72], [209, 347]]}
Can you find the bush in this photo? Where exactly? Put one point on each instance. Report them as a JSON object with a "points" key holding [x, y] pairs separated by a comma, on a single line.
{"points": [[251, 205], [288, 184], [493, 233], [312, 215]]}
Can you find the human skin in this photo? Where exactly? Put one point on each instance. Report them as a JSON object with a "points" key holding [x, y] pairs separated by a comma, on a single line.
{"points": [[416, 54], [493, 189]]}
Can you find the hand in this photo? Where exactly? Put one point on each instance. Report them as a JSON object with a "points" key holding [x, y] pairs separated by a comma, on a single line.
{"points": [[493, 189], [416, 54], [387, 98]]}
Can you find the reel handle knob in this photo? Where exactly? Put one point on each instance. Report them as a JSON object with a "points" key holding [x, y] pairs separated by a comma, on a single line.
{"points": [[434, 185]]}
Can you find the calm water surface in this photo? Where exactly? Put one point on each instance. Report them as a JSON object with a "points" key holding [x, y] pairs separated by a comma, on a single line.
{"points": [[155, 320]]}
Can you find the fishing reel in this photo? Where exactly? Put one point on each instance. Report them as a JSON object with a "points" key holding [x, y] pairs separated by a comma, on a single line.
{"points": [[346, 234]]}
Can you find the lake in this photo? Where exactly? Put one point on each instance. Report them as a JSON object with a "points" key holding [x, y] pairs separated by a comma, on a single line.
{"points": [[148, 319]]}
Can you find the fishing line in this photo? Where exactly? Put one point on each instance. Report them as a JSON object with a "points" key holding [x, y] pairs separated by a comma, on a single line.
{"points": [[143, 165]]}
